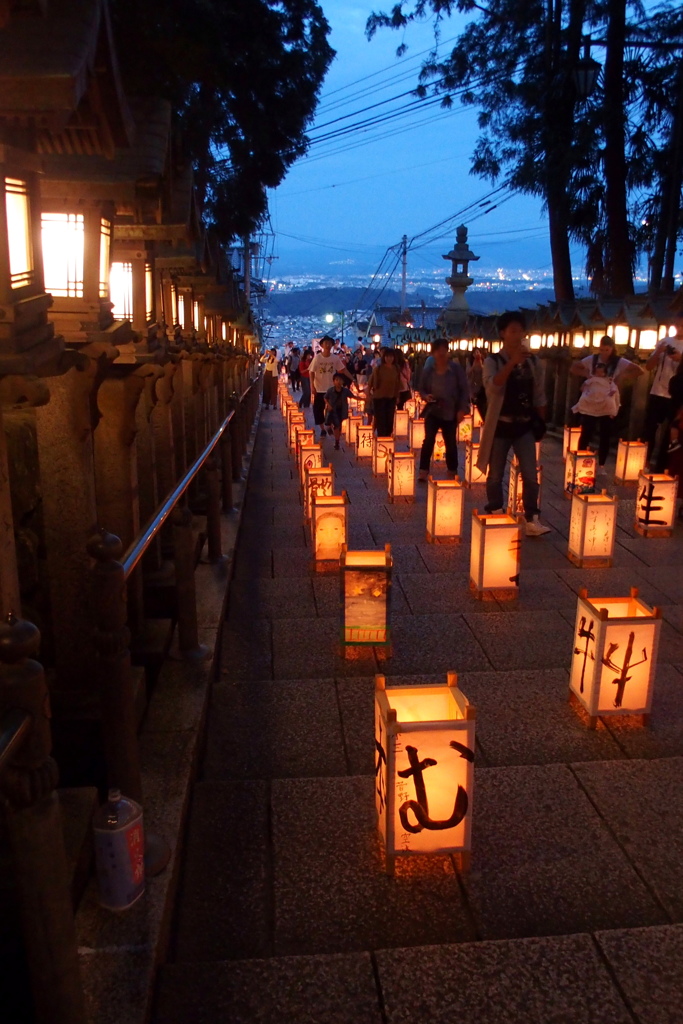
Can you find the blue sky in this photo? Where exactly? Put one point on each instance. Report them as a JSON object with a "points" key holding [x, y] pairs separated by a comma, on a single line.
{"points": [[340, 207]]}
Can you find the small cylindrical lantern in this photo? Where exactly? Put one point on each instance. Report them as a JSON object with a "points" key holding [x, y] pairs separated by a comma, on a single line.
{"points": [[494, 556], [401, 476], [354, 422], [319, 483], [614, 655], [401, 422], [310, 457], [656, 504], [631, 461], [328, 527], [416, 433], [365, 597], [445, 500], [365, 441], [592, 530], [465, 429], [570, 440], [473, 475], [424, 770], [381, 450], [579, 473], [515, 504]]}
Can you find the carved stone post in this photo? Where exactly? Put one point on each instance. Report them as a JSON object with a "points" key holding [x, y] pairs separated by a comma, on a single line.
{"points": [[163, 430], [27, 786], [116, 468]]}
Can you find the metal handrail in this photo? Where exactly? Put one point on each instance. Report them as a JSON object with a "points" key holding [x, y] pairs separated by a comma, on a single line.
{"points": [[14, 726], [152, 527]]}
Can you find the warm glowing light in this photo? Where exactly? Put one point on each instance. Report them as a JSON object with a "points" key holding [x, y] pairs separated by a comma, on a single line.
{"points": [[401, 422], [377, 338], [353, 423], [310, 457], [319, 482], [444, 510], [121, 290], [579, 341], [365, 440], [465, 428], [648, 339], [195, 315], [329, 318], [382, 448], [579, 473], [224, 331], [105, 248], [424, 770], [515, 505], [631, 460], [365, 592], [570, 440], [328, 527], [621, 334], [656, 504], [477, 420], [473, 475], [401, 475], [296, 421], [18, 232], [63, 251], [302, 437], [416, 433], [149, 293], [592, 529], [494, 555], [174, 304]]}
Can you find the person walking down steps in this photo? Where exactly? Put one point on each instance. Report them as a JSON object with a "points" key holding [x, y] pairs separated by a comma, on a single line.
{"points": [[385, 387], [269, 359], [321, 372], [444, 388], [337, 407]]}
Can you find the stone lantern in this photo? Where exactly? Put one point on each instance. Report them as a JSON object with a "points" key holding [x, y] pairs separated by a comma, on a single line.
{"points": [[455, 313]]}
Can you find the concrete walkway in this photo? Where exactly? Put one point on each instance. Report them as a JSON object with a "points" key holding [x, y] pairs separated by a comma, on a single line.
{"points": [[570, 913]]}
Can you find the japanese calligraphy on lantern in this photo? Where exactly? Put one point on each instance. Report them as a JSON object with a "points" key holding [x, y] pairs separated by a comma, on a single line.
{"points": [[464, 433], [319, 482], [656, 504], [473, 475], [592, 529], [401, 475], [382, 448], [364, 442], [494, 555]]}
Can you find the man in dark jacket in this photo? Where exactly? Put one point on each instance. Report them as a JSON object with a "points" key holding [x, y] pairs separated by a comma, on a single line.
{"points": [[444, 388]]}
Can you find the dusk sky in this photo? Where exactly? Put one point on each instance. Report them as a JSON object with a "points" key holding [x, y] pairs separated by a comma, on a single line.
{"points": [[348, 199]]}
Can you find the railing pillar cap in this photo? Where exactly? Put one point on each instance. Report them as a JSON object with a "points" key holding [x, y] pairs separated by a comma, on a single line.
{"points": [[18, 639], [104, 546]]}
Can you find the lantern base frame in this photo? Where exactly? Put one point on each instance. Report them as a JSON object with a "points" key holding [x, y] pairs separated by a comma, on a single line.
{"points": [[653, 531], [402, 499], [432, 539], [382, 651], [590, 563], [592, 720], [494, 593], [324, 565]]}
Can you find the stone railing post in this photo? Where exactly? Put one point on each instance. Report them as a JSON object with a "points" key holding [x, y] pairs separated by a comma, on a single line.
{"points": [[213, 509], [27, 786], [186, 596]]}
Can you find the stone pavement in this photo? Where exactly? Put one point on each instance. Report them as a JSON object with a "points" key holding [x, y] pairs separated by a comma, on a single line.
{"points": [[572, 912]]}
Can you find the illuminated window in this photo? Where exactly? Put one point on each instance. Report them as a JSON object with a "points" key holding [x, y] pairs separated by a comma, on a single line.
{"points": [[18, 233], [174, 304], [121, 287], [149, 293], [63, 242], [181, 310], [105, 243], [224, 331], [195, 315]]}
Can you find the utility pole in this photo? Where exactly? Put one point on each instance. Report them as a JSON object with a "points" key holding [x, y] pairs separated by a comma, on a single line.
{"points": [[404, 258], [247, 268]]}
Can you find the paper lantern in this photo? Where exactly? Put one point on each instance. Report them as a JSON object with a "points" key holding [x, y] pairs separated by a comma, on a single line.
{"points": [[353, 423], [477, 421], [445, 500], [439, 452], [656, 504], [295, 420], [328, 527], [302, 437], [319, 482], [401, 476], [401, 423], [381, 449], [411, 406], [416, 433], [570, 440], [494, 556], [365, 442], [579, 473], [310, 457], [515, 504], [291, 410], [465, 428], [365, 597], [631, 460], [473, 475], [424, 770], [592, 529], [614, 655]]}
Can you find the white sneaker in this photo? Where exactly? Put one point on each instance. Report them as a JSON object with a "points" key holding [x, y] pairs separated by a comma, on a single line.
{"points": [[536, 528], [494, 512]]}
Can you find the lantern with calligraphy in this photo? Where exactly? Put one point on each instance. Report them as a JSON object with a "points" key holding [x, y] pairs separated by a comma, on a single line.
{"points": [[354, 422], [515, 504], [614, 655], [465, 429], [424, 770], [294, 420], [365, 442], [319, 482], [365, 598], [401, 423], [302, 437], [592, 529], [570, 440], [439, 452], [328, 527], [656, 504], [416, 433], [579, 473], [310, 457], [410, 405], [444, 510], [631, 461], [494, 556], [401, 476], [473, 475], [381, 450]]}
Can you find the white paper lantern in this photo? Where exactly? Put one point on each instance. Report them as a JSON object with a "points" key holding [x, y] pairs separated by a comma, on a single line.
{"points": [[579, 473], [465, 429], [416, 433], [354, 422], [401, 476], [570, 440], [592, 529], [365, 597], [401, 422], [631, 461], [473, 475], [310, 457], [494, 556], [365, 442], [656, 504], [515, 504], [319, 482], [381, 450], [329, 527], [445, 499]]}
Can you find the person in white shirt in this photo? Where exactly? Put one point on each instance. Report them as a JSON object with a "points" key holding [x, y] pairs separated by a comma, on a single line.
{"points": [[600, 400], [660, 407], [321, 373]]}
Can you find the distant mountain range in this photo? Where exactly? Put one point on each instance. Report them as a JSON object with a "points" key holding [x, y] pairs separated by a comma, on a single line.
{"points": [[319, 301]]}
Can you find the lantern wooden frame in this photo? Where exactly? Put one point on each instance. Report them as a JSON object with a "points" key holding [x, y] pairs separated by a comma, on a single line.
{"points": [[473, 475], [328, 511], [416, 433], [381, 450], [401, 423], [365, 578], [365, 441], [656, 504], [580, 469], [401, 476], [571, 437], [302, 437], [445, 501], [294, 420], [592, 530], [412, 724], [319, 481], [354, 422], [515, 505], [310, 457], [616, 641], [495, 556], [631, 461]]}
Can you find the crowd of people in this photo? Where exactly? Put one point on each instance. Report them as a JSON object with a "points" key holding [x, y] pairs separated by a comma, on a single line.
{"points": [[506, 387]]}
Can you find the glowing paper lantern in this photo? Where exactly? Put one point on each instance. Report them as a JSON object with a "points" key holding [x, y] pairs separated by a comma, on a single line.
{"points": [[592, 529], [477, 421], [570, 440], [614, 655], [381, 449], [319, 483], [401, 476], [579, 473], [401, 422], [439, 453], [365, 595], [365, 442], [294, 420], [424, 770], [465, 428], [473, 475], [328, 527], [445, 500], [302, 437], [353, 423], [656, 504], [410, 405], [631, 460], [310, 457], [416, 433], [494, 556], [515, 504]]}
